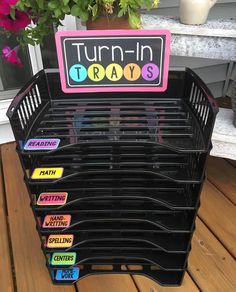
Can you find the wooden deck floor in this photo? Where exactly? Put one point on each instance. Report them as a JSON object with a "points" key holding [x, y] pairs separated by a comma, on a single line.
{"points": [[212, 265]]}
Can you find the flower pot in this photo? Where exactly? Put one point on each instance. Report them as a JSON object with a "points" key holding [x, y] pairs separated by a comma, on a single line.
{"points": [[195, 11], [111, 22]]}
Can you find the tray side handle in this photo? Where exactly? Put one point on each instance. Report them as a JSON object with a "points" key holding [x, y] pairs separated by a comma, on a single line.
{"points": [[203, 105], [27, 104]]}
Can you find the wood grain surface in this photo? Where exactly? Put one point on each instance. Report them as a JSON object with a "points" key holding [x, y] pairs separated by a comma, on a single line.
{"points": [[223, 175], [211, 267], [219, 214], [29, 262], [210, 264], [6, 271]]}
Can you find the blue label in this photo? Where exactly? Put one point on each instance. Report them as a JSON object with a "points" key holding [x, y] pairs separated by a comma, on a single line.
{"points": [[67, 274]]}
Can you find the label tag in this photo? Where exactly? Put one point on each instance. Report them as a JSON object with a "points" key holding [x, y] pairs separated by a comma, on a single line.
{"points": [[60, 240], [56, 221], [67, 274], [63, 258], [42, 144], [52, 199], [47, 173]]}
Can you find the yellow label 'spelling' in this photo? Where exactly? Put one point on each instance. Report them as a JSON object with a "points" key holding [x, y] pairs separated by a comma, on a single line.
{"points": [[60, 240]]}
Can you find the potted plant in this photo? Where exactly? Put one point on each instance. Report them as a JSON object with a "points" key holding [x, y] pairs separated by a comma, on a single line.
{"points": [[31, 20], [117, 13]]}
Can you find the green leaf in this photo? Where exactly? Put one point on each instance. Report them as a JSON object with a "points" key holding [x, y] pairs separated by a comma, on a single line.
{"points": [[52, 4], [20, 5], [66, 9], [13, 13], [43, 19], [29, 41], [148, 4], [95, 10], [84, 15], [134, 19], [57, 12], [78, 12], [121, 13], [40, 3], [75, 10], [66, 2]]}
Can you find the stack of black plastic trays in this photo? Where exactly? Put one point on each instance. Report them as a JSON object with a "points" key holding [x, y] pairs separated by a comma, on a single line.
{"points": [[114, 179]]}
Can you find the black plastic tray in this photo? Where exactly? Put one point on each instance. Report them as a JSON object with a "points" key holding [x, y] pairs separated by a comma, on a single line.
{"points": [[107, 159], [164, 261], [133, 169], [120, 186], [164, 278], [181, 118], [172, 241]]}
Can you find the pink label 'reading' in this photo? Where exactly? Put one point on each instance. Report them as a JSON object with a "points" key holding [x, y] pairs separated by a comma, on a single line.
{"points": [[42, 144]]}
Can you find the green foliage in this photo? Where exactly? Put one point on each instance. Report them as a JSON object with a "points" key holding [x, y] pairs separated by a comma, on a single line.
{"points": [[45, 14]]}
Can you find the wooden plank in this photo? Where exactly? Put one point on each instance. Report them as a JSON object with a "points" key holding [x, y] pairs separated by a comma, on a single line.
{"points": [[223, 176], [107, 283], [232, 162], [6, 274], [211, 266], [29, 262], [145, 284], [219, 214]]}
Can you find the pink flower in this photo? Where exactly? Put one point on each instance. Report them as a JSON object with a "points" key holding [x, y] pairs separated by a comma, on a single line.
{"points": [[14, 25], [5, 6], [10, 55]]}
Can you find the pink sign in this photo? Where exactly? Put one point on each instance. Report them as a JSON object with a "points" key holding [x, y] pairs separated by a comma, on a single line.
{"points": [[46, 199], [42, 144], [113, 61], [56, 221]]}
